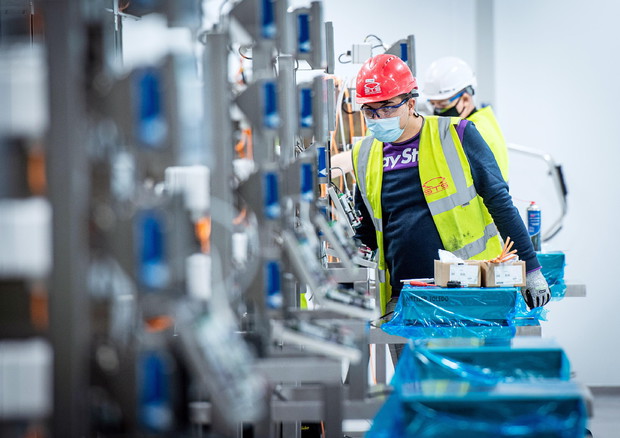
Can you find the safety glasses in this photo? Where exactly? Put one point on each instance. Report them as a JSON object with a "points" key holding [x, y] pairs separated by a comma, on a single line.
{"points": [[446, 103], [383, 112]]}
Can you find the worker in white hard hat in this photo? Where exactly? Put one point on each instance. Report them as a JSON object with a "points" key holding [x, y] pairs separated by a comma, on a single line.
{"points": [[450, 85]]}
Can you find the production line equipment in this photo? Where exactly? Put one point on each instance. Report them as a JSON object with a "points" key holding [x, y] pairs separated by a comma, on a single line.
{"points": [[192, 201]]}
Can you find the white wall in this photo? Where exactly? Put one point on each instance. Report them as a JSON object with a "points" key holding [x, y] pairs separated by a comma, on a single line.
{"points": [[556, 63], [440, 28], [555, 72]]}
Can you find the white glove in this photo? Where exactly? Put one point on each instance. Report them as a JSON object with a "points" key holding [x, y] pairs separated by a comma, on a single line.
{"points": [[536, 292]]}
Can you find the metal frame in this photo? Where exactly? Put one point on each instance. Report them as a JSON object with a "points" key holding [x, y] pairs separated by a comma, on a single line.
{"points": [[69, 194]]}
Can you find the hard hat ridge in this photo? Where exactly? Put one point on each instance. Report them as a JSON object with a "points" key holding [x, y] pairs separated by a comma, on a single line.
{"points": [[383, 77]]}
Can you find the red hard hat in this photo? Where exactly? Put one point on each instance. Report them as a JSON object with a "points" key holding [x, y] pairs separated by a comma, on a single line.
{"points": [[383, 77]]}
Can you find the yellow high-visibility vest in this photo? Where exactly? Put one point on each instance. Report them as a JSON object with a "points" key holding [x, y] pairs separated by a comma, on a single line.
{"points": [[464, 224], [489, 129]]}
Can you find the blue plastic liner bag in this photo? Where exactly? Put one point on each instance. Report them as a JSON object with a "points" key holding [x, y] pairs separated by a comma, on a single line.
{"points": [[434, 312], [478, 389], [522, 312], [449, 408], [553, 264], [520, 359]]}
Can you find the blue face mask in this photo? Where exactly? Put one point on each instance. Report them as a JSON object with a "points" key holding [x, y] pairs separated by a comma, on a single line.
{"points": [[385, 130]]}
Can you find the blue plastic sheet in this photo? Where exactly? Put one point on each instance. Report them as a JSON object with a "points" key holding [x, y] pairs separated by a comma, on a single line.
{"points": [[553, 269], [536, 314], [437, 394], [504, 411], [519, 359], [434, 312]]}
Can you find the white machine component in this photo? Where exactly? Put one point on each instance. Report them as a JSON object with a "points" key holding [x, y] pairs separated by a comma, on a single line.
{"points": [[345, 210], [360, 53], [25, 233], [198, 274], [26, 370], [316, 337], [193, 183], [23, 87]]}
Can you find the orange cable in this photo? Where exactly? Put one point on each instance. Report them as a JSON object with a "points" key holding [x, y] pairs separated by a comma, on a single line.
{"points": [[362, 123], [159, 323], [249, 145], [323, 188], [203, 233], [35, 172]]}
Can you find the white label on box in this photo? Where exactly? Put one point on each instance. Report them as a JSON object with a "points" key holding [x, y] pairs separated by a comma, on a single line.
{"points": [[466, 274], [508, 275]]}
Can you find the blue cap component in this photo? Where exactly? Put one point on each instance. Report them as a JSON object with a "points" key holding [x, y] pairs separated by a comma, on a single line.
{"points": [[403, 51], [305, 104], [272, 278], [156, 413], [304, 44], [153, 270], [271, 118], [268, 25], [307, 188], [322, 161], [150, 125], [271, 195]]}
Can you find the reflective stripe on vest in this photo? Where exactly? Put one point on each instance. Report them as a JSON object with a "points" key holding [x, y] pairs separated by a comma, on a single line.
{"points": [[477, 246], [362, 169], [463, 194]]}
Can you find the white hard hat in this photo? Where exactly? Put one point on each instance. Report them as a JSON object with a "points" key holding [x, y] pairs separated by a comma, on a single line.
{"points": [[447, 76]]}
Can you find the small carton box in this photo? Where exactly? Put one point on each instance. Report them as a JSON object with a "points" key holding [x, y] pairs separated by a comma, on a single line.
{"points": [[468, 273], [503, 274]]}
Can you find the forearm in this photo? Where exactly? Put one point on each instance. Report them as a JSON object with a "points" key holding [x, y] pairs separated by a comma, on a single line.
{"points": [[366, 231]]}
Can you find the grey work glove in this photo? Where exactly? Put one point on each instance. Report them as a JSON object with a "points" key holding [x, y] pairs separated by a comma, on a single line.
{"points": [[536, 291]]}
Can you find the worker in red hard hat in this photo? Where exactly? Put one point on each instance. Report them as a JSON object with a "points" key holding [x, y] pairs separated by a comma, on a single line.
{"points": [[429, 183]]}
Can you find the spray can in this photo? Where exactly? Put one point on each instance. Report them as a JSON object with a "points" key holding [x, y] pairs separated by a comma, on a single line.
{"points": [[533, 225]]}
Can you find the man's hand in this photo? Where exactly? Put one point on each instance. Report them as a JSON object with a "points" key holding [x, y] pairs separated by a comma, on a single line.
{"points": [[536, 292]]}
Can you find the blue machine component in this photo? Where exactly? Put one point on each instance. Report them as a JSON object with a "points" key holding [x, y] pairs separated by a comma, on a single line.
{"points": [[268, 24], [156, 409], [304, 44], [306, 119], [403, 52], [307, 182], [271, 195], [434, 312], [271, 119], [272, 280], [153, 270], [322, 161], [150, 126]]}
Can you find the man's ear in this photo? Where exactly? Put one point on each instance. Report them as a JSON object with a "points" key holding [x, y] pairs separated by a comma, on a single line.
{"points": [[411, 105], [467, 99]]}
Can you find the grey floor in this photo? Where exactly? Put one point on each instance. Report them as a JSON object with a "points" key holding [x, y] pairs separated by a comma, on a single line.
{"points": [[605, 422]]}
